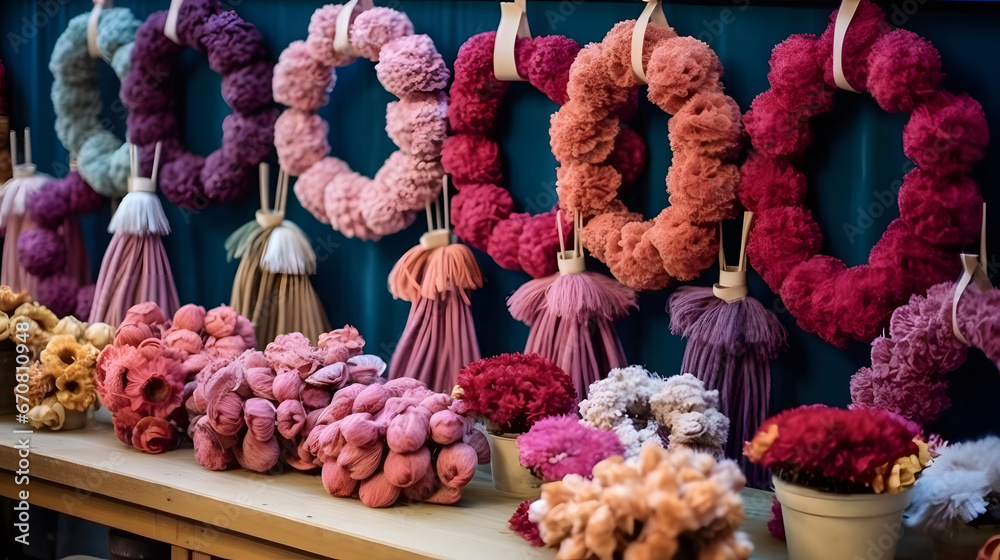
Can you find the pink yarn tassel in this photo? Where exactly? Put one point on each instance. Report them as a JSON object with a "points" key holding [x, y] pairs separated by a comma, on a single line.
{"points": [[571, 318], [12, 273], [440, 337], [730, 347], [135, 270]]}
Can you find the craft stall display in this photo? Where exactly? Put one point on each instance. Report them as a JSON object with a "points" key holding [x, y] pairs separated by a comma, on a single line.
{"points": [[609, 461]]}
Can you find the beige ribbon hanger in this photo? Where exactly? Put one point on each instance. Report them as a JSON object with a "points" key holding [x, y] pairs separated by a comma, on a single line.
{"points": [[438, 221], [266, 217], [342, 37], [513, 26], [170, 26], [26, 169], [732, 284], [973, 270], [95, 18], [143, 184], [844, 17], [653, 12], [571, 262]]}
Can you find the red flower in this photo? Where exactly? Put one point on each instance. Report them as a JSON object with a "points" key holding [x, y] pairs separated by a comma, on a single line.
{"points": [[832, 448], [516, 390]]}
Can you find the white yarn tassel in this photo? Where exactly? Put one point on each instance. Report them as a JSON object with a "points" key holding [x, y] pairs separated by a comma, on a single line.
{"points": [[288, 251], [140, 213]]}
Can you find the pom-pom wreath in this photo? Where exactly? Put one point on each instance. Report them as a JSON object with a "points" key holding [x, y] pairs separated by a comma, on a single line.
{"points": [[560, 445], [53, 248], [513, 391], [908, 370], [945, 136], [483, 212], [640, 407], [835, 450], [705, 137], [146, 375], [103, 158], [961, 486], [410, 68], [234, 49], [668, 504]]}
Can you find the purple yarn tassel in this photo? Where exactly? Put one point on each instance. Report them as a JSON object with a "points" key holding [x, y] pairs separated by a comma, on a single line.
{"points": [[730, 347]]}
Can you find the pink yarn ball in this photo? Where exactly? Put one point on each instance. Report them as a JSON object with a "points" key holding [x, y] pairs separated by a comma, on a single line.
{"points": [[300, 81], [322, 32], [256, 455], [903, 69], [311, 186], [780, 240], [190, 317], [300, 139], [374, 28], [411, 64], [948, 133]]}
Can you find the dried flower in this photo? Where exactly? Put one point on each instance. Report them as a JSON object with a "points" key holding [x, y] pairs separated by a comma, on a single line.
{"points": [[646, 509], [838, 450], [958, 488], [516, 390]]}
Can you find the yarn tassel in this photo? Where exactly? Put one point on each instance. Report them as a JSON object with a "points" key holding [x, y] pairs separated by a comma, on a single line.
{"points": [[437, 276], [571, 315], [135, 268], [732, 339], [272, 285], [14, 219]]}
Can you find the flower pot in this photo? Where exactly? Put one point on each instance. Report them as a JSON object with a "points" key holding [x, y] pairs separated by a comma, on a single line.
{"points": [[75, 419], [825, 525], [508, 474]]}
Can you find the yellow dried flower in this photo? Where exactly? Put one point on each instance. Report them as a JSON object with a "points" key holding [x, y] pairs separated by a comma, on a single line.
{"points": [[758, 446], [63, 353], [4, 325], [10, 300], [38, 313], [40, 385], [36, 337], [77, 389]]}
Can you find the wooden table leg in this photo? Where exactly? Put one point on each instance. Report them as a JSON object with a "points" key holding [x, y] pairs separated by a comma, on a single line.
{"points": [[178, 553], [195, 555]]}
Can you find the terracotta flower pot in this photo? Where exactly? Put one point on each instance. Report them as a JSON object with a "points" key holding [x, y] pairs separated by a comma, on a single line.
{"points": [[508, 474], [842, 526]]}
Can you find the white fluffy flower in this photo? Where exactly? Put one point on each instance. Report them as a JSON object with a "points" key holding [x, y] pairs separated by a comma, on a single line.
{"points": [[954, 491]]}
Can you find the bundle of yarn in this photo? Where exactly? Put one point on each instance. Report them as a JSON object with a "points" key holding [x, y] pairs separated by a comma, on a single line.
{"points": [[397, 441], [261, 407], [143, 377]]}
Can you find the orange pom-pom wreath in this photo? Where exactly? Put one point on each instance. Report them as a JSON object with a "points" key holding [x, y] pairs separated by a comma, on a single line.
{"points": [[705, 137]]}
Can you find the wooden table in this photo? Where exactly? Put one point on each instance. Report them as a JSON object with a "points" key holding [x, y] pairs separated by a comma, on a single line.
{"points": [[240, 515]]}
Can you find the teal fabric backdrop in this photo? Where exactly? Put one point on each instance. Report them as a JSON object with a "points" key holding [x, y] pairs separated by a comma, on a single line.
{"points": [[858, 154]]}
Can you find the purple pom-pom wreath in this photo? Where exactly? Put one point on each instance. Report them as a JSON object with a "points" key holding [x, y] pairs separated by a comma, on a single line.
{"points": [[54, 208], [236, 50], [940, 206]]}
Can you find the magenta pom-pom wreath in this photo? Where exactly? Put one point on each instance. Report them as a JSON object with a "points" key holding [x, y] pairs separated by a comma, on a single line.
{"points": [[705, 137], [482, 211], [409, 67], [909, 366], [939, 204], [236, 50]]}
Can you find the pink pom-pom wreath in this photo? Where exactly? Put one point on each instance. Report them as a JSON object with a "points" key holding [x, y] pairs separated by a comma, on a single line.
{"points": [[234, 49], [409, 67], [940, 205], [705, 135]]}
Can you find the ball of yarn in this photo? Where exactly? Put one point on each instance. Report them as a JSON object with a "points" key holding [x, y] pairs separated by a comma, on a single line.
{"points": [[41, 251], [59, 293]]}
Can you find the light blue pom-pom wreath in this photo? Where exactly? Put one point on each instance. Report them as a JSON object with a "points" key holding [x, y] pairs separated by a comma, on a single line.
{"points": [[102, 158]]}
